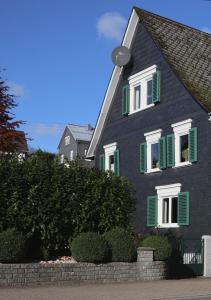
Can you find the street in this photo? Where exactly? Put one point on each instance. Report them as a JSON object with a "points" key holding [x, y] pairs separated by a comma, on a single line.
{"points": [[195, 289]]}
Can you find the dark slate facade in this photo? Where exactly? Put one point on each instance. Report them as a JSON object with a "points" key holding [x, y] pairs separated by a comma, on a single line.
{"points": [[177, 104]]}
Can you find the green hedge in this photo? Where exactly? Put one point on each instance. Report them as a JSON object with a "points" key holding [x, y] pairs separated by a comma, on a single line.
{"points": [[121, 244], [161, 244], [41, 197], [90, 247], [12, 246]]}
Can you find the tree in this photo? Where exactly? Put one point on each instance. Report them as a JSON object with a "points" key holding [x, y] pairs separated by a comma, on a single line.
{"points": [[10, 137]]}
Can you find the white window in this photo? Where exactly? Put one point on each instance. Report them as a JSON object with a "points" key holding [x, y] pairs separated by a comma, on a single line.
{"points": [[168, 205], [109, 156], [71, 154], [152, 139], [67, 140], [181, 133], [62, 158], [141, 89]]}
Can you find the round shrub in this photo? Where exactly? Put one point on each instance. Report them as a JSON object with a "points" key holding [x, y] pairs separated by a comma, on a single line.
{"points": [[90, 247], [12, 246], [161, 244], [121, 245]]}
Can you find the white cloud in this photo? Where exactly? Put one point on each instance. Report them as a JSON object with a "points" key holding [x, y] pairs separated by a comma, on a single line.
{"points": [[16, 89], [111, 25], [42, 129], [206, 29]]}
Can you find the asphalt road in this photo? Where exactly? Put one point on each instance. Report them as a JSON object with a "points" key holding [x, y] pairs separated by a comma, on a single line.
{"points": [[192, 289]]}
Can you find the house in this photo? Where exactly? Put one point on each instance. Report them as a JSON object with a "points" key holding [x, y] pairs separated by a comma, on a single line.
{"points": [[154, 126], [75, 141]]}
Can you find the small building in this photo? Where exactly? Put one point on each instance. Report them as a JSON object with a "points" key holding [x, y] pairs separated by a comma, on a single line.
{"points": [[75, 141]]}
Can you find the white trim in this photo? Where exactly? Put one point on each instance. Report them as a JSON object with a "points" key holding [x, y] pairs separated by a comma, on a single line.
{"points": [[152, 138], [153, 133], [180, 129], [141, 79], [181, 123], [110, 146], [71, 154], [109, 150], [166, 191], [142, 74], [127, 41]]}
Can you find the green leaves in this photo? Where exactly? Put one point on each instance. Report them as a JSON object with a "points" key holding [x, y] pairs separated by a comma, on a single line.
{"points": [[43, 198]]}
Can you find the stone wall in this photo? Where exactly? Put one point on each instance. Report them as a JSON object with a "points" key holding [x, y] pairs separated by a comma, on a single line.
{"points": [[27, 274]]}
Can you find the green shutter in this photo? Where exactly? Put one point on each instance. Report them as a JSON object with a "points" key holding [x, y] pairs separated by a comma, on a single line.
{"points": [[193, 145], [170, 150], [102, 162], [162, 152], [125, 100], [152, 211], [116, 163], [156, 82], [183, 209], [143, 158]]}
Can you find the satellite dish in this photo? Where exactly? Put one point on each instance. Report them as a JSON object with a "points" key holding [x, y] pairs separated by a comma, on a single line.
{"points": [[121, 56]]}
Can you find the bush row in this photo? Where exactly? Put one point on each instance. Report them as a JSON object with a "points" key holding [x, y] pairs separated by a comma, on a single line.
{"points": [[116, 245], [49, 203]]}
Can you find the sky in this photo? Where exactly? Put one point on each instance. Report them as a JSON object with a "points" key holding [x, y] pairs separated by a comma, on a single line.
{"points": [[57, 56]]}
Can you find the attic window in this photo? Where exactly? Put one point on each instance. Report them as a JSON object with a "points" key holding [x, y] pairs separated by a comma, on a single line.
{"points": [[141, 90], [67, 140]]}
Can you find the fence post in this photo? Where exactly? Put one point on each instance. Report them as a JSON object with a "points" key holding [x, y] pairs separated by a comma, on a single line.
{"points": [[207, 255]]}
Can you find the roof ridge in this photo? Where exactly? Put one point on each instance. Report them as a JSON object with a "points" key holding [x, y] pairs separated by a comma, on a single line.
{"points": [[80, 125], [137, 9]]}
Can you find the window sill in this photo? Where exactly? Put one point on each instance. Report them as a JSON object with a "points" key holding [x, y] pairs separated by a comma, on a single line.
{"points": [[144, 108], [168, 226], [153, 171], [185, 164]]}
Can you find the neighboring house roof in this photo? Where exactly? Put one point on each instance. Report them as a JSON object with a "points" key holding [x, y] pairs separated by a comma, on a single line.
{"points": [[81, 132], [188, 51]]}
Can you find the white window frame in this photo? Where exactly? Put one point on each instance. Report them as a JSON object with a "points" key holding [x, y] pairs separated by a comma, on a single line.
{"points": [[62, 158], [141, 79], [180, 129], [67, 140], [109, 151], [166, 191], [152, 138], [71, 154]]}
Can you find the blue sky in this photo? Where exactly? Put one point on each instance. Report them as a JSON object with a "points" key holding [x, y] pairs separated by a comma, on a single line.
{"points": [[57, 55]]}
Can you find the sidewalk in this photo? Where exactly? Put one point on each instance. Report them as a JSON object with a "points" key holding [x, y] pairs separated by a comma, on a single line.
{"points": [[162, 290]]}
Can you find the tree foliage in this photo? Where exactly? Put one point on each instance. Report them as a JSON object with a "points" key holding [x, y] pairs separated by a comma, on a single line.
{"points": [[47, 200], [9, 136]]}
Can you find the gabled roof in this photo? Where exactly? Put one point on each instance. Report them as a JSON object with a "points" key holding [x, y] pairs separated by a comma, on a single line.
{"points": [[187, 50], [81, 132]]}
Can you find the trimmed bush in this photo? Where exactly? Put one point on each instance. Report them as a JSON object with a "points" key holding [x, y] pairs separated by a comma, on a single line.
{"points": [[161, 244], [52, 202], [90, 247], [12, 246], [121, 245]]}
